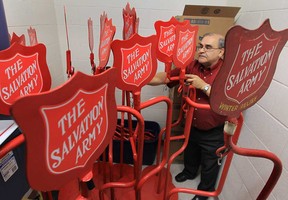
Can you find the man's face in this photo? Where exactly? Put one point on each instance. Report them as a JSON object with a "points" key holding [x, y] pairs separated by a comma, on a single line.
{"points": [[210, 53]]}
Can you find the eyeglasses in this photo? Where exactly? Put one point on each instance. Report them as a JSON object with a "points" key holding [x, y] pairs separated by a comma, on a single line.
{"points": [[207, 47]]}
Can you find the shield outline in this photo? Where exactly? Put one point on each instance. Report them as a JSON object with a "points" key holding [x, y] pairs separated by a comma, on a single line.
{"points": [[263, 35], [47, 126], [123, 51]]}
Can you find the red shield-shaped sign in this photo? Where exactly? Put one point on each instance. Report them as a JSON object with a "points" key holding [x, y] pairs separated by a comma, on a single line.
{"points": [[32, 36], [248, 69], [86, 120], [137, 61], [20, 76], [68, 128], [18, 39], [185, 45], [23, 71], [166, 34], [129, 20], [106, 38]]}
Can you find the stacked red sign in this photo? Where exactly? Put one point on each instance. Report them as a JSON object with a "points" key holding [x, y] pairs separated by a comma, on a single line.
{"points": [[166, 34], [106, 36], [185, 45], [131, 22]]}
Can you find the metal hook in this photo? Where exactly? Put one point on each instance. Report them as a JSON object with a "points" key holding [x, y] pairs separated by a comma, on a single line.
{"points": [[222, 152]]}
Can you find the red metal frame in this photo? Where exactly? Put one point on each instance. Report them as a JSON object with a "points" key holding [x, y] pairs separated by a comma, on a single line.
{"points": [[147, 175], [157, 171], [13, 144], [229, 149], [137, 156]]}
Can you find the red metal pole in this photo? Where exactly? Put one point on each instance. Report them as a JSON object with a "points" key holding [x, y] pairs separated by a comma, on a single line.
{"points": [[138, 166], [12, 144], [161, 165]]}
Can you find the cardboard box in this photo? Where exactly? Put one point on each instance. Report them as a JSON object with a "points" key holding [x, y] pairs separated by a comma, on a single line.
{"points": [[216, 19]]}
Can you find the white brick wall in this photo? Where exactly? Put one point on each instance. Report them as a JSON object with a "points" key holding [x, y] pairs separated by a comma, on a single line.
{"points": [[265, 123]]}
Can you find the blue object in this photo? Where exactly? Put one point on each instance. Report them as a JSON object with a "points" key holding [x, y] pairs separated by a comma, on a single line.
{"points": [[149, 149], [4, 35]]}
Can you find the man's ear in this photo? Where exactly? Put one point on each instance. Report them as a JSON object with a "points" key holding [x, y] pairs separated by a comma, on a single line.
{"points": [[221, 53]]}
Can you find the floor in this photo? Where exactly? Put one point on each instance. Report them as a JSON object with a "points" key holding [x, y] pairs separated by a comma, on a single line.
{"points": [[177, 167]]}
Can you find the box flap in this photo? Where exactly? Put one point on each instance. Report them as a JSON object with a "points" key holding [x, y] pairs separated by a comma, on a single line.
{"points": [[211, 11]]}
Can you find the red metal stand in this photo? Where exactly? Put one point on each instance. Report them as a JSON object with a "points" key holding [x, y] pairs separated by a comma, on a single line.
{"points": [[151, 184], [126, 181], [225, 148], [232, 131]]}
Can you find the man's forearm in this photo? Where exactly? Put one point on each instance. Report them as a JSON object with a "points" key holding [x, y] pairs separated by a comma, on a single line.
{"points": [[158, 79]]}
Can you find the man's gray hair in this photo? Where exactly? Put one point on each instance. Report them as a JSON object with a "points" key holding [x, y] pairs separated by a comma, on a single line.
{"points": [[221, 41]]}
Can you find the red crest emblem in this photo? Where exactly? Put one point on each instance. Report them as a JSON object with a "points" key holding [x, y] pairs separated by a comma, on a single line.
{"points": [[185, 45], [80, 128], [136, 59], [248, 68], [23, 71], [167, 40], [20, 76], [106, 38], [68, 128]]}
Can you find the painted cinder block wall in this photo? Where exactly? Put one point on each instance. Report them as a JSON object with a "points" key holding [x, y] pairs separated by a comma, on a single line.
{"points": [[40, 14], [266, 122]]}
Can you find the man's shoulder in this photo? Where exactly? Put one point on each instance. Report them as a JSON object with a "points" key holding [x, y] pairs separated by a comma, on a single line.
{"points": [[193, 64]]}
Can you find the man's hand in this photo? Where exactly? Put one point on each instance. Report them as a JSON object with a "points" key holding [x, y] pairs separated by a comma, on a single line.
{"points": [[197, 82]]}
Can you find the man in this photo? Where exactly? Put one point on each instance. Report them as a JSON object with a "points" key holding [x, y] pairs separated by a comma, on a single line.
{"points": [[206, 134]]}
